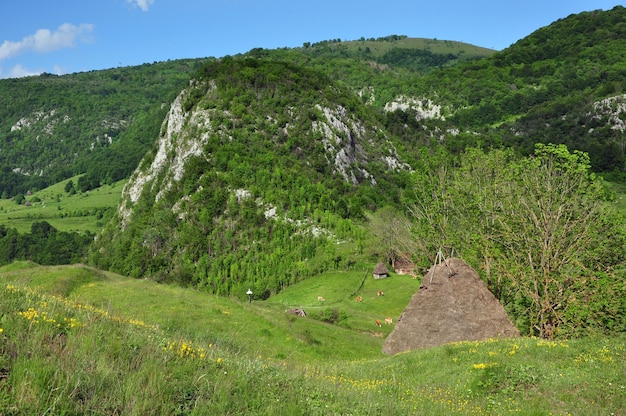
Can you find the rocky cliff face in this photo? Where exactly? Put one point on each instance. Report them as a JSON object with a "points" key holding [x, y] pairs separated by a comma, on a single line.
{"points": [[350, 146], [250, 178], [613, 110], [173, 149]]}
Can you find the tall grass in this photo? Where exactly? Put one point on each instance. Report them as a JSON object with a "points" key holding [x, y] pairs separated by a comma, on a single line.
{"points": [[60, 353]]}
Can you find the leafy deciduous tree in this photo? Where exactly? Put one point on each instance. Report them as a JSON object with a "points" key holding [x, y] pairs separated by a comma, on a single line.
{"points": [[538, 226]]}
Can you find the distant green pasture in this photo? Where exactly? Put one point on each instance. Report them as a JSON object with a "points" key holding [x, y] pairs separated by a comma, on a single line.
{"points": [[340, 290], [78, 212]]}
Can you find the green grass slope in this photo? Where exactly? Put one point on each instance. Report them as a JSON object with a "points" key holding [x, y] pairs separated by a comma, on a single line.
{"points": [[74, 340], [86, 211], [194, 314]]}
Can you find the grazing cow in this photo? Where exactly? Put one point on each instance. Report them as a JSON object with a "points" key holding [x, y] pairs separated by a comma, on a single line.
{"points": [[378, 323], [359, 298], [381, 293], [388, 321], [321, 299]]}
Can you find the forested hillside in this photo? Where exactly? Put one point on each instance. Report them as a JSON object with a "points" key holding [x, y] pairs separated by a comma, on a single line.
{"points": [[98, 123], [260, 172], [101, 123], [264, 169], [563, 83]]}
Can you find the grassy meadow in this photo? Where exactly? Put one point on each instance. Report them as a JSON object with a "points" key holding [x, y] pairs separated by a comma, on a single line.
{"points": [[86, 211], [75, 340]]}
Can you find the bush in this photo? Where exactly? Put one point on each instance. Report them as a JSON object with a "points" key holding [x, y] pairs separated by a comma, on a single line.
{"points": [[332, 316]]}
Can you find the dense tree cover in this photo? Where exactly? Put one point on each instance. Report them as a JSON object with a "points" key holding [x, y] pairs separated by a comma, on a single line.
{"points": [[377, 70], [262, 154], [548, 244], [43, 245], [417, 59], [100, 123], [542, 90]]}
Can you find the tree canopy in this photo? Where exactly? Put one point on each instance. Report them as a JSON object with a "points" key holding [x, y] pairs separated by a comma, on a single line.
{"points": [[539, 228]]}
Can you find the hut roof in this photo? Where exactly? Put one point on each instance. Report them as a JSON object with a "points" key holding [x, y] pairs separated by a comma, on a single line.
{"points": [[404, 262], [453, 304], [381, 269]]}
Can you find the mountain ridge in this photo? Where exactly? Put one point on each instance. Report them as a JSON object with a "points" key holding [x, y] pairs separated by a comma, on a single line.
{"points": [[68, 140]]}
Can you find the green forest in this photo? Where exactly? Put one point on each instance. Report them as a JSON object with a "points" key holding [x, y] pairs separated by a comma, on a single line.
{"points": [[43, 245], [97, 124], [268, 168]]}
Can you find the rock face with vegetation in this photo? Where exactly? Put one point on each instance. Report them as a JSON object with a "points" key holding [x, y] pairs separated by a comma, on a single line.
{"points": [[98, 124], [453, 304], [254, 158]]}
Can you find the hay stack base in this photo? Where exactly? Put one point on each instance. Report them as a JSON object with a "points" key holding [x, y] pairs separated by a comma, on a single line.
{"points": [[453, 304]]}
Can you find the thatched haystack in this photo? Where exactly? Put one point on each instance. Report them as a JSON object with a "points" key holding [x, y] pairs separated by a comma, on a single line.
{"points": [[453, 304]]}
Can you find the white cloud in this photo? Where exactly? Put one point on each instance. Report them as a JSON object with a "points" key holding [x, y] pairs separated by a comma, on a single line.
{"points": [[18, 71], [142, 4], [59, 70], [44, 40]]}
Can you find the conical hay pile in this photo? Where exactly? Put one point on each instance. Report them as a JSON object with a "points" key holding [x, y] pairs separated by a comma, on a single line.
{"points": [[453, 304]]}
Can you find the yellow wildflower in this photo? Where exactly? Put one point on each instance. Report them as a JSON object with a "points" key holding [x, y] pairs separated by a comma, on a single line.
{"points": [[484, 365]]}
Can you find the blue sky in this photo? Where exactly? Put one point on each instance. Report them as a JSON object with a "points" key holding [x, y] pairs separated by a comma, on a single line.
{"points": [[65, 36]]}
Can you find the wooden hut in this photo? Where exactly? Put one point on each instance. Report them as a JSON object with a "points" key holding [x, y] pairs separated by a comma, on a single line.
{"points": [[404, 265], [380, 271]]}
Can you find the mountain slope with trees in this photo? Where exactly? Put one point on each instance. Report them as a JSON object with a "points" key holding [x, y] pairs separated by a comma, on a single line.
{"points": [[101, 123], [97, 123], [260, 171], [271, 167], [564, 84]]}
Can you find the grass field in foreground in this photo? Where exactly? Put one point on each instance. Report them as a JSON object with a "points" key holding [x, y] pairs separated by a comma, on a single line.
{"points": [[75, 340]]}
